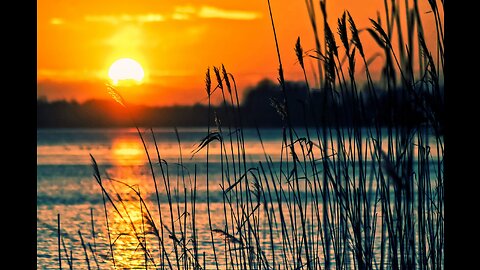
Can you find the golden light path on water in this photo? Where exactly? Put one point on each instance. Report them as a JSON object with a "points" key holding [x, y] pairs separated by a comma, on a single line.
{"points": [[129, 223], [127, 151], [135, 228]]}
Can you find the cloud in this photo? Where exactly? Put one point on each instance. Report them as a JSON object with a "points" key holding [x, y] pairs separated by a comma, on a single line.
{"points": [[185, 9], [187, 12], [213, 12], [209, 12], [116, 19], [183, 12], [150, 18], [69, 74]]}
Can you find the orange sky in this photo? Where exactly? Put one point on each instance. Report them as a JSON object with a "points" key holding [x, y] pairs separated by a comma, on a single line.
{"points": [[175, 41]]}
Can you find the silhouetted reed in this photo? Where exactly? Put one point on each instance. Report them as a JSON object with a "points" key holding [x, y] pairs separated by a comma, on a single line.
{"points": [[361, 196]]}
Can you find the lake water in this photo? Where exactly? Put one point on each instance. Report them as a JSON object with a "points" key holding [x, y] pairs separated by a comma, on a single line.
{"points": [[66, 186]]}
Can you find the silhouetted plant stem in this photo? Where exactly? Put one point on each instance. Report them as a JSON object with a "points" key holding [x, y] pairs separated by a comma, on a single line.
{"points": [[59, 237], [84, 250]]}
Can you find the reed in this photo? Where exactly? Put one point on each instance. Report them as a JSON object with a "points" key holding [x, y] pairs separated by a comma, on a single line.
{"points": [[84, 250], [59, 237], [349, 192]]}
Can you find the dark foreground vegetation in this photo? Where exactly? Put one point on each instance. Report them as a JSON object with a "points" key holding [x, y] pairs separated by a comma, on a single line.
{"points": [[363, 189]]}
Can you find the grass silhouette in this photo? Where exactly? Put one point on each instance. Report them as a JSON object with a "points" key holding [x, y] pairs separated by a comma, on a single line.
{"points": [[355, 197]]}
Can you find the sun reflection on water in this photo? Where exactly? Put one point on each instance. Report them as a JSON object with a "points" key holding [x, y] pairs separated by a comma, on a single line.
{"points": [[127, 151], [131, 228]]}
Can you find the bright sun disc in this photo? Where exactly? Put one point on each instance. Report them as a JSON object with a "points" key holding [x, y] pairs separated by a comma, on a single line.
{"points": [[126, 69]]}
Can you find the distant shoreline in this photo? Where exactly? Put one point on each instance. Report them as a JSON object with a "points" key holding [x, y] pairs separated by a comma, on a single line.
{"points": [[262, 107]]}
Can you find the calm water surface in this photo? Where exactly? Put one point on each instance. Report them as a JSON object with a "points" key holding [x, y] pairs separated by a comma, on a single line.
{"points": [[66, 186]]}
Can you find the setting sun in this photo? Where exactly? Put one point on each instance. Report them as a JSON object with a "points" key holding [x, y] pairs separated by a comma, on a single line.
{"points": [[126, 69]]}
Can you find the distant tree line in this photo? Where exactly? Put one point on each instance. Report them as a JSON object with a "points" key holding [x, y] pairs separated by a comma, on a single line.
{"points": [[263, 106]]}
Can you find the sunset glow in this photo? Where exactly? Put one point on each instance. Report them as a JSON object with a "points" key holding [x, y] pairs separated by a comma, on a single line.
{"points": [[175, 42]]}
